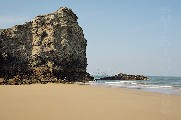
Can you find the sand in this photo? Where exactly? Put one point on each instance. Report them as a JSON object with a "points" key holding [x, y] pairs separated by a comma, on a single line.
{"points": [[83, 102]]}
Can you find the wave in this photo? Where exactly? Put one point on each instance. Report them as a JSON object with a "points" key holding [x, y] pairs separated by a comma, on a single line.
{"points": [[158, 84]]}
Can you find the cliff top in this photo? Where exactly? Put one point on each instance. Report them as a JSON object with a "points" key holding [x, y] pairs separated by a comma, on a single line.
{"points": [[62, 12], [68, 11]]}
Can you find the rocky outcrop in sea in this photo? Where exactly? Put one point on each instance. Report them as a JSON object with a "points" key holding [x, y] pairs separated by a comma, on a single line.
{"points": [[49, 48], [122, 76]]}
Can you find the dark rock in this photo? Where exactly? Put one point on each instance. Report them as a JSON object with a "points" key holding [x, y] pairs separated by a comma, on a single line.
{"points": [[51, 47], [122, 76]]}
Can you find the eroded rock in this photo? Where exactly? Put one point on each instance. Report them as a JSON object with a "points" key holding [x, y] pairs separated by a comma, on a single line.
{"points": [[122, 76], [50, 47]]}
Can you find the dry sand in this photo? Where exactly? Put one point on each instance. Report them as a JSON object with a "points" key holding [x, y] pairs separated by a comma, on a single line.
{"points": [[82, 102]]}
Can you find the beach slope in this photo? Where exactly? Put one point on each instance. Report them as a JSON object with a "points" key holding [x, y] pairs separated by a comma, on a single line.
{"points": [[83, 102]]}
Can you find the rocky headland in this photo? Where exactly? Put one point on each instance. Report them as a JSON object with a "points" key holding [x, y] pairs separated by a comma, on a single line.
{"points": [[50, 48], [122, 76]]}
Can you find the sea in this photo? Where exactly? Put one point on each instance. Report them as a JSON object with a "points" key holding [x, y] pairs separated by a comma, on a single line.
{"points": [[157, 84]]}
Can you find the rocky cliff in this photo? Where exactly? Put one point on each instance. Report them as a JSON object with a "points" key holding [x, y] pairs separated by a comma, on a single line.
{"points": [[49, 48]]}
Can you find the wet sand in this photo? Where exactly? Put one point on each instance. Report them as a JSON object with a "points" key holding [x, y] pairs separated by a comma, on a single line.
{"points": [[83, 102]]}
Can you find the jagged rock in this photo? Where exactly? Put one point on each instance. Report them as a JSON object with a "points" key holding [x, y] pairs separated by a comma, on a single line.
{"points": [[49, 47], [122, 76]]}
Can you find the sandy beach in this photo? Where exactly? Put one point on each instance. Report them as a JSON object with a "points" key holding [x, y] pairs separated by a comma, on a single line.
{"points": [[83, 102]]}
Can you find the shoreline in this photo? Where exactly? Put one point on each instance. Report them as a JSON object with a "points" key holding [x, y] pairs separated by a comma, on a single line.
{"points": [[172, 91], [155, 84], [85, 102]]}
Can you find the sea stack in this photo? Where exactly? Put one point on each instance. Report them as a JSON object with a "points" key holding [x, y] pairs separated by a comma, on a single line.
{"points": [[49, 48]]}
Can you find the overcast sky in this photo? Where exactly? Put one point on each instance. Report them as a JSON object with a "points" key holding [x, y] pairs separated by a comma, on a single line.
{"points": [[129, 36]]}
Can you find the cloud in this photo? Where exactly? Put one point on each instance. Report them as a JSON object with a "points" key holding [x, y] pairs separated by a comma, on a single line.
{"points": [[8, 21]]}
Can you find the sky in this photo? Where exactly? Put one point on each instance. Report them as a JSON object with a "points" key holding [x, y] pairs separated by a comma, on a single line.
{"points": [[124, 36]]}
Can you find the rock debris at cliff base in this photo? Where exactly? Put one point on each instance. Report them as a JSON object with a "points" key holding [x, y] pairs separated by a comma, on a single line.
{"points": [[122, 76], [51, 48]]}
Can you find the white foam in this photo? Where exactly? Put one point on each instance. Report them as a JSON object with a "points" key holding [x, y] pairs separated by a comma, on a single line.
{"points": [[165, 86], [134, 85], [112, 82]]}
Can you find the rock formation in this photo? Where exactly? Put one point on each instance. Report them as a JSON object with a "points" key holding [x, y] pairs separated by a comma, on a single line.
{"points": [[122, 76], [49, 48]]}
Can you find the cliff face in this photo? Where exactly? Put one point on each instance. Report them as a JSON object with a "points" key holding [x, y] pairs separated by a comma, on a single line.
{"points": [[50, 46]]}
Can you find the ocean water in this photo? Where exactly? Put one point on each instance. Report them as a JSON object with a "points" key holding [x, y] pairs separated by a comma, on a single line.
{"points": [[158, 84]]}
